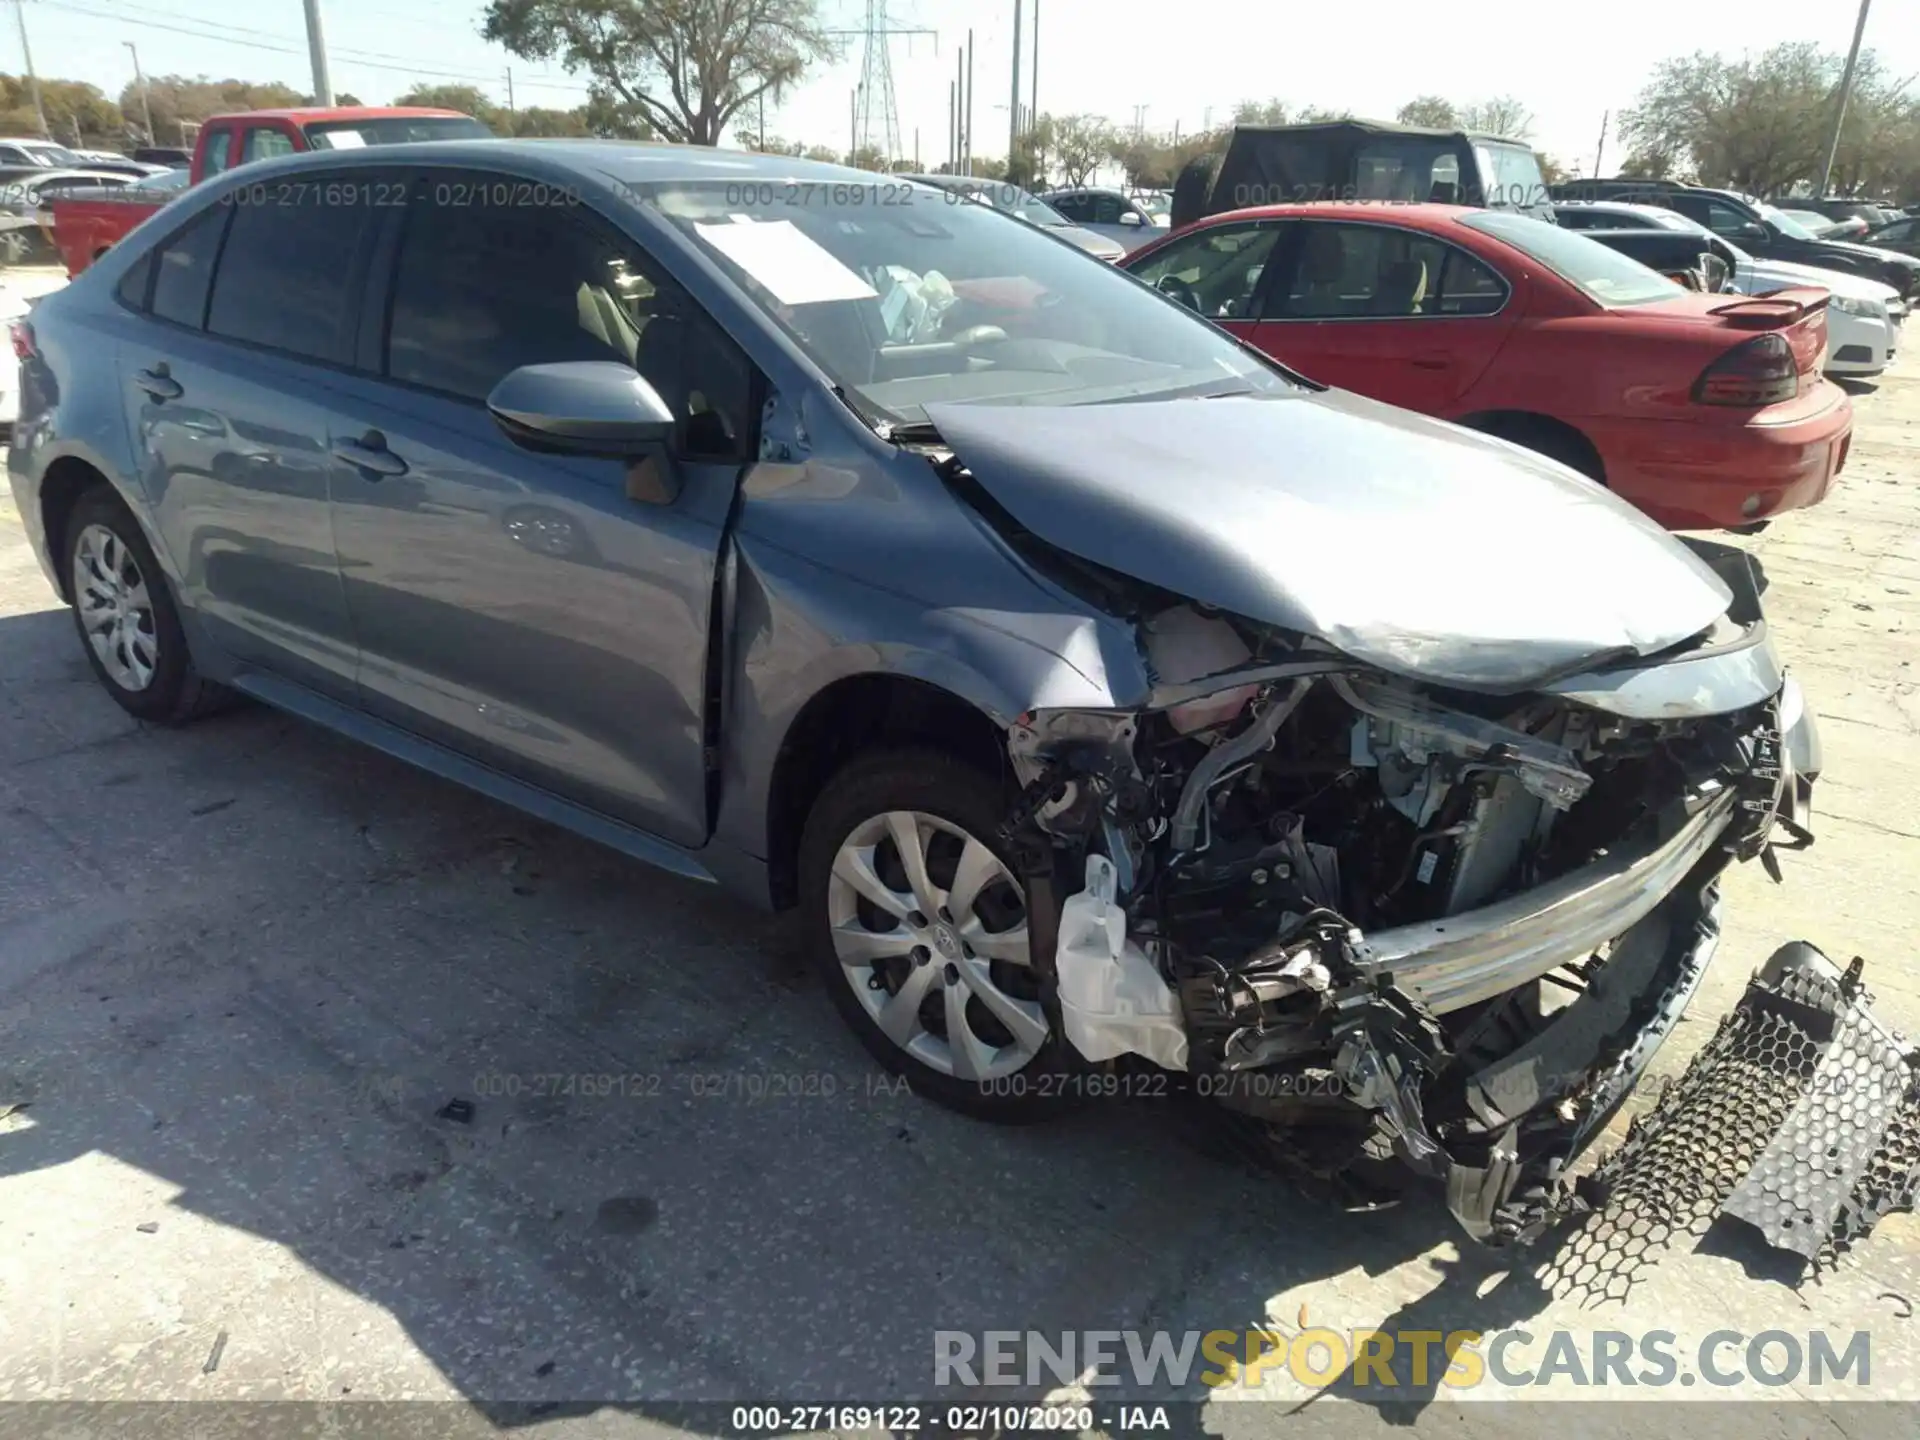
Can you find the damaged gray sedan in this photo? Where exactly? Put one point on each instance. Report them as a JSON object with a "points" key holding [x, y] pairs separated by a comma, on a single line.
{"points": [[1109, 700]]}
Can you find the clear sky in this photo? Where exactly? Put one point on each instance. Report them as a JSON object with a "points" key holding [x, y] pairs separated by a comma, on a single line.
{"points": [[1570, 64]]}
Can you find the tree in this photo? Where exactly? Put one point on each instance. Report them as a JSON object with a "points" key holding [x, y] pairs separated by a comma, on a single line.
{"points": [[824, 153], [684, 67], [748, 138], [1763, 123], [1027, 167], [180, 101], [77, 113], [1503, 115], [1552, 172], [1080, 143], [868, 157], [1429, 110]]}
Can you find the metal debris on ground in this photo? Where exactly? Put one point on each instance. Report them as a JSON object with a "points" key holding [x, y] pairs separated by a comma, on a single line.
{"points": [[458, 1111], [1800, 1117]]}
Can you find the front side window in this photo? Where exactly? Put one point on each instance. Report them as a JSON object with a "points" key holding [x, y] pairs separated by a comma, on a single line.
{"points": [[1351, 272], [1602, 274], [1782, 222], [1215, 271], [481, 291], [1076, 208], [1511, 176], [924, 301], [286, 271], [183, 268]]}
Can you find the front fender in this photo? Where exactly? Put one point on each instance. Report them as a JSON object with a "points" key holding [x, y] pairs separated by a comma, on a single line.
{"points": [[797, 628]]}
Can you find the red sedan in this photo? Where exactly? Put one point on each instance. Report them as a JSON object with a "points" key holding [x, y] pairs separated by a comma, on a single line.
{"points": [[1703, 410]]}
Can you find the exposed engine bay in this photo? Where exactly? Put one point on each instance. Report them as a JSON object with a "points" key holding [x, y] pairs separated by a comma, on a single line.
{"points": [[1395, 926]]}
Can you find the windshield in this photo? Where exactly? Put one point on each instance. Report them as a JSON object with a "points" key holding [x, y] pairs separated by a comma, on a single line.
{"points": [[1602, 273], [1511, 176], [1008, 199], [1785, 223], [393, 130], [55, 155], [908, 296]]}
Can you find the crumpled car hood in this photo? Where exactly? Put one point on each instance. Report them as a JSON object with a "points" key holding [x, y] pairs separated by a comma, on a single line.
{"points": [[1413, 545]]}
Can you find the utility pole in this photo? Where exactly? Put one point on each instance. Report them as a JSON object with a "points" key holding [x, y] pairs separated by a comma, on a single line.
{"points": [[762, 98], [33, 80], [510, 106], [146, 100], [967, 162], [1013, 121], [953, 128], [1033, 109], [317, 52], [853, 124], [1846, 94], [1601, 149]]}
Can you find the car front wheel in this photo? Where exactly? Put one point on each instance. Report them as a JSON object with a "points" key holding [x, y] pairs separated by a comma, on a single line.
{"points": [[919, 927]]}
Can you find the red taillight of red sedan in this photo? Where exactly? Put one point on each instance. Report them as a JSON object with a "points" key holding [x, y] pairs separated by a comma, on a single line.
{"points": [[1756, 372]]}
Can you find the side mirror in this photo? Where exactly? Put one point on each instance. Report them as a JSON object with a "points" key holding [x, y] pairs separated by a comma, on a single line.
{"points": [[581, 407], [1130, 217], [1753, 230]]}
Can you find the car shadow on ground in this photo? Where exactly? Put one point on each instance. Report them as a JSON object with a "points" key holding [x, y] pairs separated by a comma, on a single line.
{"points": [[590, 1135], [1856, 388]]}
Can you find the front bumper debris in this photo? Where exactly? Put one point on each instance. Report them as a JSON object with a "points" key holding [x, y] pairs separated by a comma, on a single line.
{"points": [[1800, 1118]]}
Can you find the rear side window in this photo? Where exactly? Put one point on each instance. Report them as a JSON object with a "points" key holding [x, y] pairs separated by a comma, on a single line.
{"points": [[1350, 272], [219, 151], [183, 266], [287, 269], [132, 289]]}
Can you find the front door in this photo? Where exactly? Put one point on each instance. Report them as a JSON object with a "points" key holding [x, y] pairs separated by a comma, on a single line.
{"points": [[1385, 311], [546, 614]]}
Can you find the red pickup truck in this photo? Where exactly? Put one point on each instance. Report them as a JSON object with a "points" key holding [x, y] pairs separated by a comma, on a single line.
{"points": [[85, 226]]}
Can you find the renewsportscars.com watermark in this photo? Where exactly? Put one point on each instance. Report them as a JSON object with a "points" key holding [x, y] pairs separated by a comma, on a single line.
{"points": [[1316, 1357]]}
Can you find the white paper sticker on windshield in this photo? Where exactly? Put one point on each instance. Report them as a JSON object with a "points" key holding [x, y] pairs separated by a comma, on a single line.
{"points": [[344, 139], [787, 261]]}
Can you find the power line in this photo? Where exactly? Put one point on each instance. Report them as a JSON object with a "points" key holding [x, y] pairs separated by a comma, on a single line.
{"points": [[269, 41]]}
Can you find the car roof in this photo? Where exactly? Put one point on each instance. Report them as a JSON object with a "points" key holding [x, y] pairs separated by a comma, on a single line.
{"points": [[1421, 213], [623, 161], [308, 114]]}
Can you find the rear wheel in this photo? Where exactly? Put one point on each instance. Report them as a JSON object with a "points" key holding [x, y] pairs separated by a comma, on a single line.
{"points": [[1556, 442], [918, 925], [125, 614]]}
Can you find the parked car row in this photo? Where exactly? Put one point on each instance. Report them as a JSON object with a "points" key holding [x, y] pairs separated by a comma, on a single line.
{"points": [[1863, 316], [1103, 691]]}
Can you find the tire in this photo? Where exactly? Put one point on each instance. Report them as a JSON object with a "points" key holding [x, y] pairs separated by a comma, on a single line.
{"points": [[1555, 444], [1003, 1071], [141, 655]]}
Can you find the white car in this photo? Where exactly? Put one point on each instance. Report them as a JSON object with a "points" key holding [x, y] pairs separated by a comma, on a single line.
{"points": [[1863, 316]]}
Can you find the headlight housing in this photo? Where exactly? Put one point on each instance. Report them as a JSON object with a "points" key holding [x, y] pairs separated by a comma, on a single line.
{"points": [[1865, 309]]}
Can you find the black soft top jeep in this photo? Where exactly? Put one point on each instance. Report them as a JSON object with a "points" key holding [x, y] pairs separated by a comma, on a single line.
{"points": [[1360, 160]]}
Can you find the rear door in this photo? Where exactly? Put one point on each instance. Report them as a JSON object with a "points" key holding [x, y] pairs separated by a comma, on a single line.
{"points": [[1385, 311], [545, 614], [252, 325]]}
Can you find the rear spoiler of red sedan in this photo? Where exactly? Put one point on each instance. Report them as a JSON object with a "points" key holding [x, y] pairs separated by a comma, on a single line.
{"points": [[1770, 312]]}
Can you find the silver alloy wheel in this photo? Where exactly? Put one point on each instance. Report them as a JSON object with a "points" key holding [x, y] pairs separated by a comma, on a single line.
{"points": [[115, 609], [937, 959]]}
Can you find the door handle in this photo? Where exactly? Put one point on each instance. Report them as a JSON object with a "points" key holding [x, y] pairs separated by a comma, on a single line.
{"points": [[369, 455], [158, 383], [1431, 360]]}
